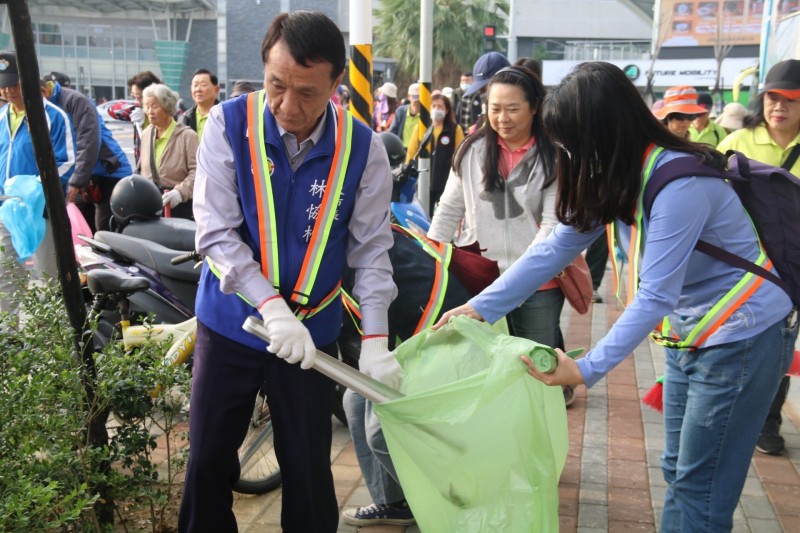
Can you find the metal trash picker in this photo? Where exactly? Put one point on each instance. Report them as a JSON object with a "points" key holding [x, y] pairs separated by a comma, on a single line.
{"points": [[371, 389]]}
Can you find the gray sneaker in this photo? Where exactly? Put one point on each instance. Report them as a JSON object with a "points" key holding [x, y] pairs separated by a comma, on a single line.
{"points": [[397, 514]]}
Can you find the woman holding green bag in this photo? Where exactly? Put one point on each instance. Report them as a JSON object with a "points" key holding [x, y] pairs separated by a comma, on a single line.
{"points": [[720, 374]]}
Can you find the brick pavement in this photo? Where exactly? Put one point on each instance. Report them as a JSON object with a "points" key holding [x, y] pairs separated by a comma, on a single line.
{"points": [[612, 480]]}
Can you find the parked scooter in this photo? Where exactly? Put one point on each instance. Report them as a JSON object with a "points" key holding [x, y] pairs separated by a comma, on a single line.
{"points": [[144, 244], [149, 269]]}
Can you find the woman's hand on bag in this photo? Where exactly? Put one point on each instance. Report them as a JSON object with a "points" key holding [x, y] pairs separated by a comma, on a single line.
{"points": [[465, 309], [566, 373]]}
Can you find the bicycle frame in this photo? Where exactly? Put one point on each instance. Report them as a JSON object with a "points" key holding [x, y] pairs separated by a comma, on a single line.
{"points": [[184, 335]]}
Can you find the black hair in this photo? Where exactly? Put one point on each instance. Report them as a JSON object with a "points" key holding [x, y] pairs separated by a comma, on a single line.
{"points": [[602, 127], [449, 116], [755, 115], [534, 65], [310, 36], [143, 79], [212, 77], [534, 93]]}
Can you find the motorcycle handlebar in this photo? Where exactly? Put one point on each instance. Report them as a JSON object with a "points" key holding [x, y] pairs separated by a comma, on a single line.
{"points": [[188, 256]]}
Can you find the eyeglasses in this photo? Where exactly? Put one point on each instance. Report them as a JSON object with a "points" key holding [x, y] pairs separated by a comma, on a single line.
{"points": [[681, 116]]}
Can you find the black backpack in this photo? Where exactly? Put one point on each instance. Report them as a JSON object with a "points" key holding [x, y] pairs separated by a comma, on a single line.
{"points": [[414, 273], [771, 196]]}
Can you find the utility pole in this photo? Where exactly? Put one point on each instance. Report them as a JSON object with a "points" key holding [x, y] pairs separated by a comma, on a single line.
{"points": [[361, 60], [425, 79], [512, 31]]}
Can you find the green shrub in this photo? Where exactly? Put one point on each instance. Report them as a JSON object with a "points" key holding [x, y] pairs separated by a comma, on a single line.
{"points": [[52, 478]]}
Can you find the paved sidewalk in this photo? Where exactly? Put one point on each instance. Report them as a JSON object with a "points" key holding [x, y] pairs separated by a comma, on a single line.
{"points": [[612, 480]]}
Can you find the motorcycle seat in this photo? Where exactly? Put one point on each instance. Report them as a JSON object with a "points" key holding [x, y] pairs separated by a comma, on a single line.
{"points": [[103, 281], [149, 254], [174, 233]]}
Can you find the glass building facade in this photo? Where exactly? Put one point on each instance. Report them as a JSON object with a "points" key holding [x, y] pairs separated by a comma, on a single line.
{"points": [[114, 51]]}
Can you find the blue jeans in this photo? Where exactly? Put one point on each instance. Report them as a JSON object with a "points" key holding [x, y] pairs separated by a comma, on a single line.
{"points": [[371, 451], [715, 402], [538, 318]]}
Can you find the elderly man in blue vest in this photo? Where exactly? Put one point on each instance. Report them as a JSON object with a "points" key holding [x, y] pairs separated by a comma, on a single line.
{"points": [[289, 190]]}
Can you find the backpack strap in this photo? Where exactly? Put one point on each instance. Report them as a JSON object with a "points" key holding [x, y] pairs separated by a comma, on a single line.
{"points": [[734, 260], [792, 159], [681, 167]]}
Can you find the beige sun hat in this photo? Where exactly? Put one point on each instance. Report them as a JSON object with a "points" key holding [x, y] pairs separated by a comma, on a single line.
{"points": [[732, 116], [388, 89]]}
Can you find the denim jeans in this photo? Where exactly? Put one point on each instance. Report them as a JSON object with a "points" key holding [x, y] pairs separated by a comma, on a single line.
{"points": [[715, 402], [371, 451], [538, 318]]}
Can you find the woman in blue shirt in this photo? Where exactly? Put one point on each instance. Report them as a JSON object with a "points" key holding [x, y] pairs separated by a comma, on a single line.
{"points": [[717, 389]]}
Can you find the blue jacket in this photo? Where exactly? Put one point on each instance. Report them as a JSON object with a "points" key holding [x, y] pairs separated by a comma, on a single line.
{"points": [[295, 196], [16, 152], [97, 153]]}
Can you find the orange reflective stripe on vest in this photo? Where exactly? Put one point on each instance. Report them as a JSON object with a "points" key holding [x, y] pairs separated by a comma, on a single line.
{"points": [[722, 309], [326, 214], [351, 306], [442, 253], [263, 185]]}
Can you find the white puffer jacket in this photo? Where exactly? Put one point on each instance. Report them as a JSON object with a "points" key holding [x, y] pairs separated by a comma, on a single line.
{"points": [[531, 211]]}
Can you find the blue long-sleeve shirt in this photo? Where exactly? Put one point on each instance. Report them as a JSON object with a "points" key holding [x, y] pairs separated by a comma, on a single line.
{"points": [[16, 151], [674, 279]]}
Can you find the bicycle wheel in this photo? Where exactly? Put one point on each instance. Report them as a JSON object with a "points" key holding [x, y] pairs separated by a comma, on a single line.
{"points": [[259, 466]]}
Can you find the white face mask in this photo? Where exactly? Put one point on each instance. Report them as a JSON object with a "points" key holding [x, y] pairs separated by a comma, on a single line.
{"points": [[464, 86], [437, 115]]}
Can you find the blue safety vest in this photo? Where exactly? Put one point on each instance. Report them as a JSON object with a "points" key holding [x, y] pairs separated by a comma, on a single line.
{"points": [[296, 198]]}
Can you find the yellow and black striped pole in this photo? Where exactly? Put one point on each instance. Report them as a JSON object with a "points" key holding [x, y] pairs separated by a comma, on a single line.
{"points": [[423, 163], [360, 73], [361, 82]]}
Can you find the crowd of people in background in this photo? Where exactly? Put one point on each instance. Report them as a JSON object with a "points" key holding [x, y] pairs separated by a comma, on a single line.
{"points": [[506, 158]]}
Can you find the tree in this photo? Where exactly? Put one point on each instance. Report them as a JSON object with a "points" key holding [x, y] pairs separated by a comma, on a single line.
{"points": [[723, 43], [664, 24], [457, 31]]}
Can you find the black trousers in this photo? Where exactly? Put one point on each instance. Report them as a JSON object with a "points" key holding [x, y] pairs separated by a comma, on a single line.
{"points": [[772, 424], [102, 209], [226, 377], [596, 258]]}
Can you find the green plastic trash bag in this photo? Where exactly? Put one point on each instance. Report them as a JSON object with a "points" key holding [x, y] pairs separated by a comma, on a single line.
{"points": [[478, 444]]}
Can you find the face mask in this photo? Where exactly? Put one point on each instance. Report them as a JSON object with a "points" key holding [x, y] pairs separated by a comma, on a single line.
{"points": [[464, 86], [381, 97], [437, 115]]}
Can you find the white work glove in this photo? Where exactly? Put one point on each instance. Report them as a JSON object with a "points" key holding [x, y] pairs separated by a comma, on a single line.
{"points": [[137, 115], [379, 363], [289, 338], [173, 198]]}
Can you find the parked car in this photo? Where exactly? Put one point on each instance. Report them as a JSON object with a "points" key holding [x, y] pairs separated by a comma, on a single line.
{"points": [[119, 110]]}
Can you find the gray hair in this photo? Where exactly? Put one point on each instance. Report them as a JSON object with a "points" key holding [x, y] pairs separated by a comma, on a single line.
{"points": [[165, 96]]}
